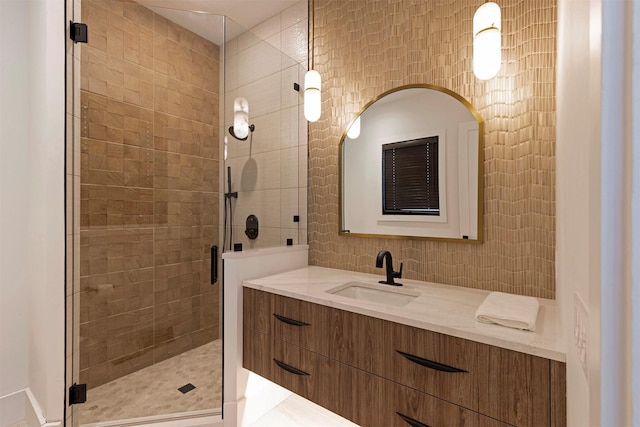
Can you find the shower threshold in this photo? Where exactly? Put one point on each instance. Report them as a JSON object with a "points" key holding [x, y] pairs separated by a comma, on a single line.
{"points": [[206, 418]]}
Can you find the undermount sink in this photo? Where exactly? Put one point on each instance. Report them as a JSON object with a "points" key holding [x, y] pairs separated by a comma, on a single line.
{"points": [[379, 294]]}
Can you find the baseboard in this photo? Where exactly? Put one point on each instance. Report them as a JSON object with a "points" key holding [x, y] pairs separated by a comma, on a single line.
{"points": [[23, 406]]}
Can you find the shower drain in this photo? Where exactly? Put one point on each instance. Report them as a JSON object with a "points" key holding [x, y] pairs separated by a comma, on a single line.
{"points": [[186, 388]]}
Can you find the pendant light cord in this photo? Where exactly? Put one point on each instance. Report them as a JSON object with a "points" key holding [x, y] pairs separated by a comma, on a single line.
{"points": [[311, 34]]}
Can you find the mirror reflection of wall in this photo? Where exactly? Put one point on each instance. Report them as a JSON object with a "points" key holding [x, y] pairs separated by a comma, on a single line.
{"points": [[408, 115]]}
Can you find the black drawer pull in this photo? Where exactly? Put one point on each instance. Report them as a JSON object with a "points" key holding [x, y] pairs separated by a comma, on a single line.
{"points": [[289, 321], [411, 421], [290, 368], [430, 364]]}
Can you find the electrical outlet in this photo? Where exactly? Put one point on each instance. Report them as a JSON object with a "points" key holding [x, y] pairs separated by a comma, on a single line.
{"points": [[581, 330]]}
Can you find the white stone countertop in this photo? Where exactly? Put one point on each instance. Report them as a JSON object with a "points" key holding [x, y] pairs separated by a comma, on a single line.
{"points": [[439, 308]]}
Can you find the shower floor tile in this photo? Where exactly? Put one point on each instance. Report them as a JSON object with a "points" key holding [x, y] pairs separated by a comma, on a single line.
{"points": [[154, 390]]}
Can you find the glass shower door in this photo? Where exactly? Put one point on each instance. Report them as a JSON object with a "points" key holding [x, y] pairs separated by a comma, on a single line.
{"points": [[148, 314]]}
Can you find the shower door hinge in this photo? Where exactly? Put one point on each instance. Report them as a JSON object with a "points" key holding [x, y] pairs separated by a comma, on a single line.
{"points": [[78, 32], [77, 394]]}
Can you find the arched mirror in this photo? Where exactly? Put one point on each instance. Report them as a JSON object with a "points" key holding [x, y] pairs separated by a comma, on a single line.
{"points": [[413, 169]]}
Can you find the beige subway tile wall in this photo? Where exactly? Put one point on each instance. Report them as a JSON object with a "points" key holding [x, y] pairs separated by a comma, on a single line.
{"points": [[365, 48], [149, 190]]}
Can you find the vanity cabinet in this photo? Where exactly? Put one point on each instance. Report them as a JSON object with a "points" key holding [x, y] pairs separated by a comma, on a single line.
{"points": [[380, 373]]}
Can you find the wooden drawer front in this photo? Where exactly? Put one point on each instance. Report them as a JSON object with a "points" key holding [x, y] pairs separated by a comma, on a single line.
{"points": [[257, 310], [517, 388], [296, 322], [257, 354], [357, 340], [416, 409], [324, 381], [443, 366], [373, 400]]}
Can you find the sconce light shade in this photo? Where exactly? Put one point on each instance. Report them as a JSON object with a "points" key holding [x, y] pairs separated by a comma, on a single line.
{"points": [[241, 118], [354, 129], [312, 100], [487, 42]]}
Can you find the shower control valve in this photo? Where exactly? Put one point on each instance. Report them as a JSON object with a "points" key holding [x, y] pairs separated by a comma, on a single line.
{"points": [[252, 227]]}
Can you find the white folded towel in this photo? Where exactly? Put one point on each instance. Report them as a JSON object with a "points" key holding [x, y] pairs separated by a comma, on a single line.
{"points": [[513, 311]]}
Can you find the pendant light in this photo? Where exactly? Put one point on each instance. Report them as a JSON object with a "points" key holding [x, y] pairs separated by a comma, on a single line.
{"points": [[487, 37], [354, 129], [240, 118], [312, 94], [312, 99]]}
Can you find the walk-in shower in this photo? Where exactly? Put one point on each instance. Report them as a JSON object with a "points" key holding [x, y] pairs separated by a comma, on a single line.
{"points": [[149, 313], [155, 167]]}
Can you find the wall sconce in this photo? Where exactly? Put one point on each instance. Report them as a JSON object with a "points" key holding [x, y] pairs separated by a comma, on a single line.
{"points": [[241, 127], [312, 100], [354, 129], [487, 28]]}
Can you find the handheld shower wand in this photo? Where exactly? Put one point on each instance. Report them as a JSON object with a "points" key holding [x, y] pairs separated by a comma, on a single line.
{"points": [[228, 196]]}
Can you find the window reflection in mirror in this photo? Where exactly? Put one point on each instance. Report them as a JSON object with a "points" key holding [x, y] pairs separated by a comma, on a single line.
{"points": [[437, 195], [410, 181]]}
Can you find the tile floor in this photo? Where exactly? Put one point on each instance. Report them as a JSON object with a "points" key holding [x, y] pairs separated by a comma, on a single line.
{"points": [[154, 390]]}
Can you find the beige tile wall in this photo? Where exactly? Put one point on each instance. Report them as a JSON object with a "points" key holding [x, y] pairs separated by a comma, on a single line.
{"points": [[149, 162], [365, 48]]}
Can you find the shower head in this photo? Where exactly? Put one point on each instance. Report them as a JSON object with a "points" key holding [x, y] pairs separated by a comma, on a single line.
{"points": [[232, 133]]}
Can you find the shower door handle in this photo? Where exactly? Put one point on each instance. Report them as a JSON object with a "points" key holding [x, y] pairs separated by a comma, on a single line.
{"points": [[214, 264]]}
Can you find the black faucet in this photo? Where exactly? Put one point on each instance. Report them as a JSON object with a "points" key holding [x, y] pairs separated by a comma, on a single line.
{"points": [[386, 255]]}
